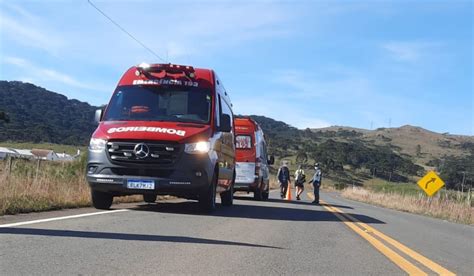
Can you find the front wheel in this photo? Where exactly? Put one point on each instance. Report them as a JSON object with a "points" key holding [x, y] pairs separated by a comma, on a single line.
{"points": [[149, 198], [101, 200], [207, 198], [227, 197]]}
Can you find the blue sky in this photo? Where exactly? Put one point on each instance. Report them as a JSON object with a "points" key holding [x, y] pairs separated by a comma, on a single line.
{"points": [[308, 63]]}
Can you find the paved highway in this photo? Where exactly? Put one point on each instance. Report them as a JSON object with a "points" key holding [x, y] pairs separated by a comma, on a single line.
{"points": [[341, 237]]}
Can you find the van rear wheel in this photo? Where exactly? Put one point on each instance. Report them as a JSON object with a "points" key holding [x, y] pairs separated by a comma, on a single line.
{"points": [[265, 195], [257, 194], [101, 200]]}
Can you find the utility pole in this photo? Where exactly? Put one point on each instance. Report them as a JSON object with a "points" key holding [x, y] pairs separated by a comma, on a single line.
{"points": [[462, 182]]}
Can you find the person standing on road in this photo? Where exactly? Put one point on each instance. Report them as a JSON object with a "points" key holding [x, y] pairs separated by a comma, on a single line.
{"points": [[316, 180], [283, 176], [300, 178]]}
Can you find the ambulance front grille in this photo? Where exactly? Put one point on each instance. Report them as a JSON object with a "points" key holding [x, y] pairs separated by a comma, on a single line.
{"points": [[143, 152]]}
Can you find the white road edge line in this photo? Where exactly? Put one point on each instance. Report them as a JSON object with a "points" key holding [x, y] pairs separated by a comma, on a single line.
{"points": [[60, 218]]}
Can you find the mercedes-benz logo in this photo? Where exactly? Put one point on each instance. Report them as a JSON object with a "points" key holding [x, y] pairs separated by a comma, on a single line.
{"points": [[141, 150]]}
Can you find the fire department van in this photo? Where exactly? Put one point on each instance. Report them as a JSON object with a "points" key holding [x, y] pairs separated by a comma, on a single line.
{"points": [[167, 130], [252, 172]]}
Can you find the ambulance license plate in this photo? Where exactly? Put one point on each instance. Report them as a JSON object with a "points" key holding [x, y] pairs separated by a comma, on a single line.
{"points": [[141, 184]]}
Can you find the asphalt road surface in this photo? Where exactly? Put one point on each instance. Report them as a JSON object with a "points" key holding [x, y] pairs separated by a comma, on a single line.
{"points": [[341, 237]]}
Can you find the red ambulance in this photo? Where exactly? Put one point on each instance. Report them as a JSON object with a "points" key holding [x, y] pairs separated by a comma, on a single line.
{"points": [[252, 161], [167, 130]]}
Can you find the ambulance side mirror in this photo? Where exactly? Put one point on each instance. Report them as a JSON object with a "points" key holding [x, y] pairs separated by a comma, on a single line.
{"points": [[226, 125], [271, 161], [98, 116]]}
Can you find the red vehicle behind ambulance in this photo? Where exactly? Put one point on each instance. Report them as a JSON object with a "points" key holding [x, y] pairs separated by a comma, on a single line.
{"points": [[167, 130], [252, 172]]}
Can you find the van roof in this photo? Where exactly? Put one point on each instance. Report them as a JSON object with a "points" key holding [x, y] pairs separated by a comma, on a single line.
{"points": [[173, 74], [243, 122], [183, 74]]}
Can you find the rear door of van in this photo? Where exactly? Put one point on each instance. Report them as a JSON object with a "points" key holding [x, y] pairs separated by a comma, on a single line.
{"points": [[245, 157]]}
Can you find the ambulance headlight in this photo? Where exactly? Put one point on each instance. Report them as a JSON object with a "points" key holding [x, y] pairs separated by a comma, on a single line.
{"points": [[196, 148], [97, 144]]}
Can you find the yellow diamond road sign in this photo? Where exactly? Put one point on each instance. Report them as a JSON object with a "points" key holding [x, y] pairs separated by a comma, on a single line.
{"points": [[431, 183]]}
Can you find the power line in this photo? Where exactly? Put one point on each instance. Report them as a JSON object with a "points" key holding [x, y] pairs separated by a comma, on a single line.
{"points": [[125, 31]]}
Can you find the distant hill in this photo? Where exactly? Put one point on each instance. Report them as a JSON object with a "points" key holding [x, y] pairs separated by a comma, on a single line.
{"points": [[421, 144], [38, 115]]}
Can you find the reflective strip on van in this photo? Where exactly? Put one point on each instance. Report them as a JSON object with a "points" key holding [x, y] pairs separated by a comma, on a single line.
{"points": [[245, 172]]}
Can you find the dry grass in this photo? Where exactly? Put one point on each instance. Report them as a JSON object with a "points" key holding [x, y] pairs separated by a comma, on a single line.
{"points": [[29, 186], [443, 208]]}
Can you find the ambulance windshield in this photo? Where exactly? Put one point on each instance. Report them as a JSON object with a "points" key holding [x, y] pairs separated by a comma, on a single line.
{"points": [[158, 103]]}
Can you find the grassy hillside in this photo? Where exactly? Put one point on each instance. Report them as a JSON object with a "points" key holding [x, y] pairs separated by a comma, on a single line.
{"points": [[35, 114], [420, 144]]}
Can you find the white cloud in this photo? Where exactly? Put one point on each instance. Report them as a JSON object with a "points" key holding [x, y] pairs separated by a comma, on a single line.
{"points": [[325, 97], [408, 51], [21, 11], [303, 122], [193, 32], [276, 109], [37, 74], [341, 87], [19, 62], [29, 30], [175, 34]]}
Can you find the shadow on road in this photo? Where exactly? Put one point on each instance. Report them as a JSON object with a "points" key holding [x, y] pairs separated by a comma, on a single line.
{"points": [[294, 202], [122, 236], [254, 211]]}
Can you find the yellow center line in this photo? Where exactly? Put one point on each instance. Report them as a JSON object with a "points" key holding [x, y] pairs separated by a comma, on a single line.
{"points": [[364, 229], [401, 262], [413, 254]]}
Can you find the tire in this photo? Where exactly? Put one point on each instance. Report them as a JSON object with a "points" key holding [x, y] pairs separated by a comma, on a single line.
{"points": [[207, 198], [101, 200], [149, 198], [257, 194], [227, 197], [265, 195]]}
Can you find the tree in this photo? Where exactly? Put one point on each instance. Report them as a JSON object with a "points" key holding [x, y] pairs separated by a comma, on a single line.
{"points": [[455, 169], [418, 150], [301, 157]]}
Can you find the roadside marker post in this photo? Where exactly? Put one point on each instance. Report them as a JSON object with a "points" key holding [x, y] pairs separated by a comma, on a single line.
{"points": [[431, 183]]}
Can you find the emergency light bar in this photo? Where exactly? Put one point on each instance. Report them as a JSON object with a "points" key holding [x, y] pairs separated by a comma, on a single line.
{"points": [[144, 68]]}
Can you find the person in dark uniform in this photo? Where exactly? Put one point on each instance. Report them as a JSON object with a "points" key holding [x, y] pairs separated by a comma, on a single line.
{"points": [[283, 176], [316, 181]]}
